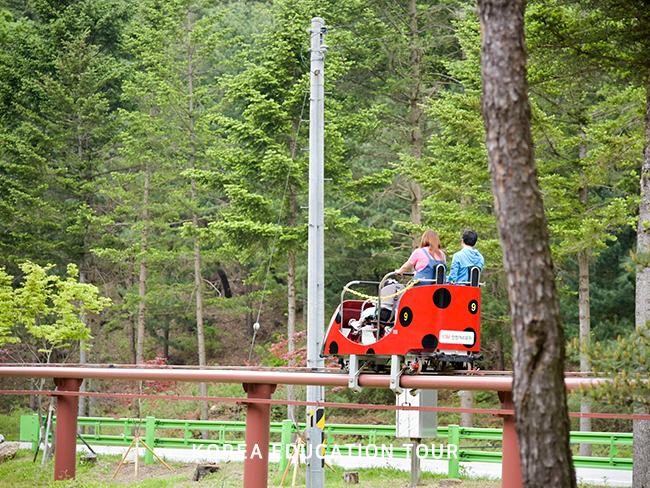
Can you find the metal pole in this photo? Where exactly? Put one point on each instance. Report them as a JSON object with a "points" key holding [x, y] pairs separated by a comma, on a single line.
{"points": [[415, 463], [48, 426], [65, 456], [315, 473], [258, 431]]}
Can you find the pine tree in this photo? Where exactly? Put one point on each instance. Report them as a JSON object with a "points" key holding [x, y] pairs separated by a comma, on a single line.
{"points": [[539, 394], [399, 51], [587, 148], [264, 129], [173, 44], [616, 35]]}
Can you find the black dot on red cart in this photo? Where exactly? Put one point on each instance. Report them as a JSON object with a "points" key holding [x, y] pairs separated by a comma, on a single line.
{"points": [[405, 317], [430, 341], [334, 347], [442, 298], [370, 351], [473, 307], [337, 319], [470, 329]]}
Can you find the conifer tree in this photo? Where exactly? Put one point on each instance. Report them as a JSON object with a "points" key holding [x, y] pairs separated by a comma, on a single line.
{"points": [[539, 394], [616, 35], [59, 121], [264, 130], [456, 177], [399, 57], [587, 148], [173, 43]]}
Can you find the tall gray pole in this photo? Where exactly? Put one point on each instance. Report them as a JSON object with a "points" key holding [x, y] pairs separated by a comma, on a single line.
{"points": [[316, 255]]}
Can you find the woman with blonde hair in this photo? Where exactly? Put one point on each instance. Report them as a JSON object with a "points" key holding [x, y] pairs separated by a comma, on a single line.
{"points": [[425, 258]]}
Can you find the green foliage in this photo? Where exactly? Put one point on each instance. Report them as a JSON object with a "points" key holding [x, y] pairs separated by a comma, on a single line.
{"points": [[261, 124], [607, 33], [60, 126], [611, 289], [111, 160], [47, 308], [24, 213], [588, 151], [398, 53], [10, 423], [456, 173], [626, 365]]}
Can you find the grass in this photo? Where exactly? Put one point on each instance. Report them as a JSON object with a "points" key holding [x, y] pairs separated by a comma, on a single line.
{"points": [[10, 423], [375, 478], [21, 472]]}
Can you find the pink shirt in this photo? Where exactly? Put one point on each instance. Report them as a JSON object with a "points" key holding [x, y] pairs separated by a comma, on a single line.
{"points": [[420, 260]]}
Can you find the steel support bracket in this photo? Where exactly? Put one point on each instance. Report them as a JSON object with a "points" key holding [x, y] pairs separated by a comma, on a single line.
{"points": [[353, 372], [396, 371]]}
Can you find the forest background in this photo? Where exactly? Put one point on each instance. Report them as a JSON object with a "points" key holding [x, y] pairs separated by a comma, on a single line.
{"points": [[158, 146]]}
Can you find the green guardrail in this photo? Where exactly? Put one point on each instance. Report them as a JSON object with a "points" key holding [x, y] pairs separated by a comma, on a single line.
{"points": [[123, 431]]}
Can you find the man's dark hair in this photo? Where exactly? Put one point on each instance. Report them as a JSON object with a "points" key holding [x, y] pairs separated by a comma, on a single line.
{"points": [[470, 237]]}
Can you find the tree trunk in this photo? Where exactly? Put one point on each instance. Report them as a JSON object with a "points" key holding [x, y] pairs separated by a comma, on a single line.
{"points": [[641, 428], [249, 315], [585, 332], [467, 401], [225, 284], [501, 366], [416, 212], [584, 314], [52, 448], [416, 115], [142, 279], [198, 282], [129, 324], [135, 405], [539, 394], [198, 279], [166, 339]]}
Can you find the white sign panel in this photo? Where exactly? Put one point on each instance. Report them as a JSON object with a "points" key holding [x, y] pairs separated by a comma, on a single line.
{"points": [[456, 337], [416, 424]]}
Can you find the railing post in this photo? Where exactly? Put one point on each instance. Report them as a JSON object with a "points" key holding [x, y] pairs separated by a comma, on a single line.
{"points": [[287, 427], [511, 476], [96, 430], [613, 450], [258, 425], [151, 439], [65, 459], [454, 461], [30, 430]]}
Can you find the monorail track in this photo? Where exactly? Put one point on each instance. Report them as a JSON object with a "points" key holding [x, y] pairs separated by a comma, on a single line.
{"points": [[447, 380]]}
